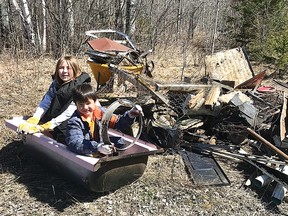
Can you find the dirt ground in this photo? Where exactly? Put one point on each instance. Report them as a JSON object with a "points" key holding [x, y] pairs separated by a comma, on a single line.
{"points": [[30, 188]]}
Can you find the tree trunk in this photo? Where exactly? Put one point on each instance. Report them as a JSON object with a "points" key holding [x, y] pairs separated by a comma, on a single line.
{"points": [[28, 23], [71, 17], [118, 21], [4, 22], [179, 17], [214, 32], [128, 17], [44, 37]]}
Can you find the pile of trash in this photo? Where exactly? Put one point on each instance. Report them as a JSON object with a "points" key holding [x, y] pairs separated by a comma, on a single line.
{"points": [[230, 115]]}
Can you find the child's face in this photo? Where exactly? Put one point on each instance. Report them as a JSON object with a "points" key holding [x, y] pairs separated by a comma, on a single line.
{"points": [[86, 108], [65, 72]]}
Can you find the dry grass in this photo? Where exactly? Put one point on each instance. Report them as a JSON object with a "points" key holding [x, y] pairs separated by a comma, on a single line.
{"points": [[30, 188]]}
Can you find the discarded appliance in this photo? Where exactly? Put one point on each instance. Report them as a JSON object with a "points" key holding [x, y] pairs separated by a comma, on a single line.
{"points": [[96, 174], [122, 53]]}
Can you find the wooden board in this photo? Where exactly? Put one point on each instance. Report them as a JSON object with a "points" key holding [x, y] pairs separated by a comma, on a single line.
{"points": [[230, 65]]}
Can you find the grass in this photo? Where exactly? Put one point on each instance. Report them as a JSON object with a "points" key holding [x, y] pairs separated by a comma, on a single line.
{"points": [[30, 188]]}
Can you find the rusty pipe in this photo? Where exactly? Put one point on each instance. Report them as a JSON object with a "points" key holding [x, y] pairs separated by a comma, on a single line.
{"points": [[267, 143]]}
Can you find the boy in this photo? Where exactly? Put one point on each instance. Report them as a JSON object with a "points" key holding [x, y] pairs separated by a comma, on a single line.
{"points": [[83, 129]]}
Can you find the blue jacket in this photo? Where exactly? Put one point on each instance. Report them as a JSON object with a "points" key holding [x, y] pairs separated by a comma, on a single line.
{"points": [[79, 137]]}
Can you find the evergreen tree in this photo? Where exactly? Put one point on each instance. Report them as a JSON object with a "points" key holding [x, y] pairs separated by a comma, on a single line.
{"points": [[262, 29]]}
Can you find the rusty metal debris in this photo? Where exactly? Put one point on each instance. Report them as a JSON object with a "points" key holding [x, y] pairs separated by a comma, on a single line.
{"points": [[214, 118], [226, 113]]}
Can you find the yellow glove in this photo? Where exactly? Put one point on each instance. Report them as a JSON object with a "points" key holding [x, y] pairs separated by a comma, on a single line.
{"points": [[33, 120], [46, 126], [28, 128]]}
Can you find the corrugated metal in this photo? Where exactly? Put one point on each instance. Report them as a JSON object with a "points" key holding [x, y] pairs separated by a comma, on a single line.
{"points": [[229, 65]]}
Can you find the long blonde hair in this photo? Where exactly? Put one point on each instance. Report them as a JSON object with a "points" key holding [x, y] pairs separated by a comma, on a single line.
{"points": [[72, 62]]}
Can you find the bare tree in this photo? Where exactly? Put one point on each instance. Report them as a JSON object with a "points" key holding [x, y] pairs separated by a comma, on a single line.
{"points": [[119, 15], [214, 32], [4, 25], [26, 20], [58, 26], [71, 17], [41, 27], [44, 36]]}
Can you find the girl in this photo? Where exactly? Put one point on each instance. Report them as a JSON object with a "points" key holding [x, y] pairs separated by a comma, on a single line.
{"points": [[57, 106]]}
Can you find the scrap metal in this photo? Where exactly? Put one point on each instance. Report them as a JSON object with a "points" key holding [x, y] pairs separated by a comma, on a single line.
{"points": [[252, 160], [225, 114], [268, 144], [106, 119]]}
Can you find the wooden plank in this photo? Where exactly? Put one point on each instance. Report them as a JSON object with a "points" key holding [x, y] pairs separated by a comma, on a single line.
{"points": [[197, 101], [213, 96], [230, 65], [181, 87], [283, 142], [283, 118]]}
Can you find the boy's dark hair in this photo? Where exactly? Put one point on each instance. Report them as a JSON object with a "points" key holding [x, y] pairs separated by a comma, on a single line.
{"points": [[82, 93]]}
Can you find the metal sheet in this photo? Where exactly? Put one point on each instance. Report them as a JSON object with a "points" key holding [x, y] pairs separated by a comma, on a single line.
{"points": [[106, 45], [203, 169]]}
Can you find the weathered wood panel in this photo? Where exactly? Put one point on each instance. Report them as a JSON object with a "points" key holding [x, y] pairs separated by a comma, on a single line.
{"points": [[229, 65]]}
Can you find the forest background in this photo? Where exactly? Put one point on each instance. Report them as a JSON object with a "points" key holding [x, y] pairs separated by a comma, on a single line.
{"points": [[34, 33], [57, 27]]}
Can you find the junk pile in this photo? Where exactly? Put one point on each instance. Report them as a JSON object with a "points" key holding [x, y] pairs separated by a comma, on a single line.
{"points": [[110, 47], [230, 115]]}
